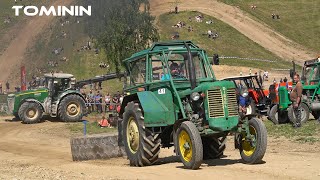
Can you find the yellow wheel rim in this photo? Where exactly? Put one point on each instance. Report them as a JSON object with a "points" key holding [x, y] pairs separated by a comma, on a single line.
{"points": [[247, 147], [73, 109], [32, 113], [185, 146], [133, 135]]}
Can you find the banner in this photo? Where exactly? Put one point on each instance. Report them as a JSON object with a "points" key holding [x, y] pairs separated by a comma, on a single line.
{"points": [[23, 79]]}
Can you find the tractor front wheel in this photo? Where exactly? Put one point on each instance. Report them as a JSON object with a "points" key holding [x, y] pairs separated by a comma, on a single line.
{"points": [[30, 112], [72, 108], [190, 146], [253, 149], [304, 113], [142, 146]]}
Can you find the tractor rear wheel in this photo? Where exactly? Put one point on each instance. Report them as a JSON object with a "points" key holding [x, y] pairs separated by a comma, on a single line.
{"points": [[277, 116], [30, 112], [304, 113], [252, 150], [72, 108], [190, 146], [213, 148], [142, 145]]}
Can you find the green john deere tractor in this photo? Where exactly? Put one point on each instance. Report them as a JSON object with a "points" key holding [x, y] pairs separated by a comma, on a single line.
{"points": [[175, 100], [310, 77], [57, 97]]}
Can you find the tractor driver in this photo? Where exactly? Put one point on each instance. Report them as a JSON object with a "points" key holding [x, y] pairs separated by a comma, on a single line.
{"points": [[295, 97], [175, 71]]}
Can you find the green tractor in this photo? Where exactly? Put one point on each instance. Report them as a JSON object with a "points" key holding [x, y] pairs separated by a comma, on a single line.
{"points": [[310, 78], [57, 97], [175, 100]]}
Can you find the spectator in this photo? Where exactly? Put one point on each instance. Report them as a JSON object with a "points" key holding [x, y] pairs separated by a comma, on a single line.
{"points": [[107, 100], [98, 102], [8, 86], [91, 101], [176, 9], [0, 88], [104, 122]]}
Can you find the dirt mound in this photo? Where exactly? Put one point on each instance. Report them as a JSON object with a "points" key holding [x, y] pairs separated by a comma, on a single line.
{"points": [[256, 31]]}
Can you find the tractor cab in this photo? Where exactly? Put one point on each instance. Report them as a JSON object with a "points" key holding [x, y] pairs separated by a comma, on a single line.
{"points": [[58, 83]]}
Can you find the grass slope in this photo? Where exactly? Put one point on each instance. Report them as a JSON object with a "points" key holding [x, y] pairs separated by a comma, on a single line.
{"points": [[229, 43], [299, 19]]}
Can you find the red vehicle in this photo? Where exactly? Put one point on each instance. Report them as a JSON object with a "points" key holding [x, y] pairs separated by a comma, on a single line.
{"points": [[259, 97]]}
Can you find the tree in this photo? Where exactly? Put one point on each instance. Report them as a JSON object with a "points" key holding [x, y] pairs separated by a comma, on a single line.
{"points": [[121, 27]]}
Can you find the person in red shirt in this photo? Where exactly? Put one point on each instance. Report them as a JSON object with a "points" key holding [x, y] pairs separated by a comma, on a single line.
{"points": [[104, 122]]}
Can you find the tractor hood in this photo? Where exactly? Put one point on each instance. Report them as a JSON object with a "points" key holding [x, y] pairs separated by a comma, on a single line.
{"points": [[30, 92], [204, 86]]}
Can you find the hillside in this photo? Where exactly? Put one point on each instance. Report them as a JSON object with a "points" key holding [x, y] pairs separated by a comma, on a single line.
{"points": [[240, 34], [228, 43], [254, 30], [299, 19]]}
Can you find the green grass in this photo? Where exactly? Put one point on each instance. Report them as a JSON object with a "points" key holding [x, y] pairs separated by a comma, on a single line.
{"points": [[308, 133], [92, 128], [299, 19], [229, 43]]}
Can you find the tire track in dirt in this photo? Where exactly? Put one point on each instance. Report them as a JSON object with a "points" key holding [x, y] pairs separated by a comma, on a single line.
{"points": [[12, 58], [256, 31]]}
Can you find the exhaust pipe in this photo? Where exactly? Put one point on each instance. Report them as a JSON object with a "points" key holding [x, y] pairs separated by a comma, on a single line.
{"points": [[192, 70]]}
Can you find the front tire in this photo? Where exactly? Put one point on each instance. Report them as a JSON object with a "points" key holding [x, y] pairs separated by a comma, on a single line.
{"points": [[71, 108], [252, 151], [304, 114], [190, 146], [142, 145], [30, 112]]}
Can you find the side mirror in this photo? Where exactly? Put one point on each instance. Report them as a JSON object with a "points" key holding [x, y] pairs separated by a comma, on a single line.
{"points": [[215, 59]]}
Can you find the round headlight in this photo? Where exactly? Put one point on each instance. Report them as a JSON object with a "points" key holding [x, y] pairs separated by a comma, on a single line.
{"points": [[195, 96]]}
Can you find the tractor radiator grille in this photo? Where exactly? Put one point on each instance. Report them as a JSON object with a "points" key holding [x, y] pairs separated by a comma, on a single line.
{"points": [[232, 102], [215, 103]]}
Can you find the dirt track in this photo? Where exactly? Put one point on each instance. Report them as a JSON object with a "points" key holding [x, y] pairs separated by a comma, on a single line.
{"points": [[256, 31], [42, 151]]}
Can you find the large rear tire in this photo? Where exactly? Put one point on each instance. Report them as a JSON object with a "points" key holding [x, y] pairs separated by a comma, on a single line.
{"points": [[142, 146], [252, 151], [30, 112], [304, 113], [72, 108], [277, 116], [189, 145], [213, 148]]}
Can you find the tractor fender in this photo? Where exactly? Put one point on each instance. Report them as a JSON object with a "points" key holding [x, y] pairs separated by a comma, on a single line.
{"points": [[63, 95], [155, 112], [35, 101], [125, 101]]}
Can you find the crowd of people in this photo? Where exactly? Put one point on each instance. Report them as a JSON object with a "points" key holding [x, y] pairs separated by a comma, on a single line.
{"points": [[97, 102]]}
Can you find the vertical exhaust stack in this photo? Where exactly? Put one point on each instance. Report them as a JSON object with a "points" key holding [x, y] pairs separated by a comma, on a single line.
{"points": [[293, 71], [191, 69]]}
